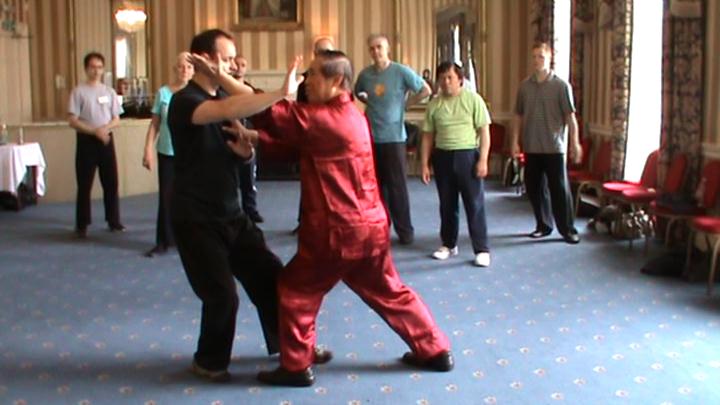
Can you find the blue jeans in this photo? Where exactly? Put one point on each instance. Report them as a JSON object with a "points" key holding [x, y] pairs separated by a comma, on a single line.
{"points": [[455, 174]]}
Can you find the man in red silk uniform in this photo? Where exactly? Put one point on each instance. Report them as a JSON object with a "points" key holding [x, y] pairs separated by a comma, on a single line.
{"points": [[344, 232]]}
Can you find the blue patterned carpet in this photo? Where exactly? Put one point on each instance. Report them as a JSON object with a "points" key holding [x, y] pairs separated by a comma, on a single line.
{"points": [[94, 322]]}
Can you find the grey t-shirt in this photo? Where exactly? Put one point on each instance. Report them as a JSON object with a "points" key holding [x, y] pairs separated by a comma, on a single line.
{"points": [[94, 105], [544, 106]]}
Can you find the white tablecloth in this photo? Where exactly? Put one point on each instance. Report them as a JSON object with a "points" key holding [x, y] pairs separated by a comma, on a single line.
{"points": [[14, 162]]}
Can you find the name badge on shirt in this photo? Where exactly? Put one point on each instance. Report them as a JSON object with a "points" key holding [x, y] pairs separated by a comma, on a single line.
{"points": [[103, 99]]}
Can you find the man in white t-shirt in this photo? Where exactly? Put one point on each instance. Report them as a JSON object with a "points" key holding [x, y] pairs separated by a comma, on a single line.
{"points": [[93, 111]]}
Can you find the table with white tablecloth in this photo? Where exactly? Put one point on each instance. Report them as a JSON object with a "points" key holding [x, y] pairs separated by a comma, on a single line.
{"points": [[15, 161]]}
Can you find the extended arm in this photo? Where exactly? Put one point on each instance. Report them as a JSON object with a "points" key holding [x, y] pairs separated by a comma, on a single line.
{"points": [[576, 151], [481, 168], [426, 146], [515, 135], [420, 95], [242, 106], [150, 139]]}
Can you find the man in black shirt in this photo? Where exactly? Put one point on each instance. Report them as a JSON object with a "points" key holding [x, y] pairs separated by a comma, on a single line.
{"points": [[217, 242]]}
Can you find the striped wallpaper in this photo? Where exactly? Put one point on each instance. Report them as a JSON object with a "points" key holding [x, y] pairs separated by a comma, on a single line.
{"points": [[15, 106], [51, 52], [171, 26], [92, 24], [509, 40], [347, 21], [172, 23]]}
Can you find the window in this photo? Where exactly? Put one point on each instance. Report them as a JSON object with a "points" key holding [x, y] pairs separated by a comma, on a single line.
{"points": [[121, 58], [562, 16], [456, 44], [645, 114]]}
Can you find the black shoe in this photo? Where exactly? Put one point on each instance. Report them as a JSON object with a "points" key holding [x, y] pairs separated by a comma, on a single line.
{"points": [[280, 376], [537, 234], [156, 251], [116, 227], [256, 217], [572, 238], [407, 240], [218, 376], [441, 362], [322, 356], [81, 233]]}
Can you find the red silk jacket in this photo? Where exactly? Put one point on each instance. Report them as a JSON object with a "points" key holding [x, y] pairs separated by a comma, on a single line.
{"points": [[342, 213]]}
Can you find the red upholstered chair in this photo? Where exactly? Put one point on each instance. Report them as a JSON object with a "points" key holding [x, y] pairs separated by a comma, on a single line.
{"points": [[710, 226], [613, 189], [497, 145], [640, 198], [599, 169], [710, 179]]}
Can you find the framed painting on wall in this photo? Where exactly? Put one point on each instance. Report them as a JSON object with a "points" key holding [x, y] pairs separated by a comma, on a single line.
{"points": [[268, 15]]}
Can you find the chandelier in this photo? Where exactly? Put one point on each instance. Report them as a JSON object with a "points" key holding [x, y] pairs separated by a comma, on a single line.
{"points": [[130, 20]]}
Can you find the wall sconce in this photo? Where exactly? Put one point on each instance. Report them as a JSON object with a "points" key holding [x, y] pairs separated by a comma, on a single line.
{"points": [[130, 20], [8, 17]]}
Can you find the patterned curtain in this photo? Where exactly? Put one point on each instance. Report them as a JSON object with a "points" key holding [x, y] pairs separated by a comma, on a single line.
{"points": [[583, 14], [620, 82], [682, 89], [542, 11]]}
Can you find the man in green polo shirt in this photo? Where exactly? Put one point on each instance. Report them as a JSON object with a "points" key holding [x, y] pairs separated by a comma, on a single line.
{"points": [[456, 131]]}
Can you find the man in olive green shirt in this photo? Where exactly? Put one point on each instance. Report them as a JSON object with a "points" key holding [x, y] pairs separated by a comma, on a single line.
{"points": [[456, 131]]}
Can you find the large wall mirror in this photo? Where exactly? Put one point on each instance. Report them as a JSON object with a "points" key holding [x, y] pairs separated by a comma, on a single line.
{"points": [[455, 39], [130, 71]]}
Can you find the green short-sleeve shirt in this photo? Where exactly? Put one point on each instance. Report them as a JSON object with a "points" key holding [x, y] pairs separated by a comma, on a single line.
{"points": [[455, 120]]}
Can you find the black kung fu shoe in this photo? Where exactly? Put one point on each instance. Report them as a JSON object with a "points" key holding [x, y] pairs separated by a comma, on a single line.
{"points": [[440, 362], [322, 356], [283, 377]]}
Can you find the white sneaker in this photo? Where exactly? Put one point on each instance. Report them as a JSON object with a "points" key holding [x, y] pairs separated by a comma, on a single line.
{"points": [[482, 259], [445, 252]]}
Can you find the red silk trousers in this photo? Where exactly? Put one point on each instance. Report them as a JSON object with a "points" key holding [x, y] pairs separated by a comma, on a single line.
{"points": [[305, 281]]}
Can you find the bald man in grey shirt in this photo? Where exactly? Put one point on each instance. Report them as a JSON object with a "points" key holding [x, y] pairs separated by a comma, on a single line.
{"points": [[545, 112], [93, 111]]}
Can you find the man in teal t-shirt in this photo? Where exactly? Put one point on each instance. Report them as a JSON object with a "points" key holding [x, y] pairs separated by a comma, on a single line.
{"points": [[383, 86], [457, 122]]}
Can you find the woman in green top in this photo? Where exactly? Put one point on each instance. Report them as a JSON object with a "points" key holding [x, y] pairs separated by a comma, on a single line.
{"points": [[456, 131], [158, 138]]}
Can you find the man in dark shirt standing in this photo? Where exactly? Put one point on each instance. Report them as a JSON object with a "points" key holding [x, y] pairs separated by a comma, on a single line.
{"points": [[217, 242], [545, 113]]}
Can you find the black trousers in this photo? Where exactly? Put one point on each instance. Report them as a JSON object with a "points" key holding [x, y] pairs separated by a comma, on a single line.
{"points": [[455, 174], [391, 162], [91, 154], [548, 189], [214, 255], [166, 174], [248, 191]]}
